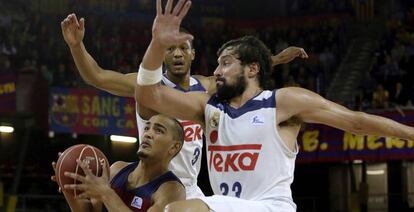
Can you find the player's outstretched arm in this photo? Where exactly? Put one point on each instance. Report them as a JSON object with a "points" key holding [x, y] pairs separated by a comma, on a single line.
{"points": [[149, 92], [73, 31], [312, 108]]}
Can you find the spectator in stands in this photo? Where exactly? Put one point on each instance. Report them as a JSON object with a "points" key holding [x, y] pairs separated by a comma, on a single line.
{"points": [[46, 74], [380, 97]]}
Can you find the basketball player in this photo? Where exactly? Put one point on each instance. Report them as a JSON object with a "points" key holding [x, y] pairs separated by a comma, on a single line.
{"points": [[178, 58], [251, 133], [147, 185]]}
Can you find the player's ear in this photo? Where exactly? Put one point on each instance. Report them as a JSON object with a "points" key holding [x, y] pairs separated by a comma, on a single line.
{"points": [[254, 69], [192, 54], [175, 148]]}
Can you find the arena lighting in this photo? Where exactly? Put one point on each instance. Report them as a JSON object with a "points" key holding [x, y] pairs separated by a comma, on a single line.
{"points": [[375, 172], [125, 139], [6, 129], [357, 161], [51, 134]]}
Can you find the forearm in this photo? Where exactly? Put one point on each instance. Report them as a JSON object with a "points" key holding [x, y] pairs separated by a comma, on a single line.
{"points": [[113, 202], [377, 125], [77, 205], [154, 56], [87, 66], [278, 59]]}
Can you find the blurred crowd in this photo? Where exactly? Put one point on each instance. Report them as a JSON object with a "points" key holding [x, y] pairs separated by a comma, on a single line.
{"points": [[388, 85], [32, 43]]}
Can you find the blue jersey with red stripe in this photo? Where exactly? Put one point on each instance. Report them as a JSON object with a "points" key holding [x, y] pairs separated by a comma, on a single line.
{"points": [[138, 199]]}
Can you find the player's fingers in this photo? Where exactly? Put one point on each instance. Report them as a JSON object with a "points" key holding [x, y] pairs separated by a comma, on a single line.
{"points": [[305, 55], [75, 20], [75, 176], [185, 9], [75, 186], [83, 197], [82, 24], [54, 165], [104, 169], [84, 167], [168, 7], [159, 7], [178, 7]]}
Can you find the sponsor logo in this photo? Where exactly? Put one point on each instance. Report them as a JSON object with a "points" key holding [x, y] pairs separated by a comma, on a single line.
{"points": [[257, 120], [137, 202], [192, 131], [234, 158]]}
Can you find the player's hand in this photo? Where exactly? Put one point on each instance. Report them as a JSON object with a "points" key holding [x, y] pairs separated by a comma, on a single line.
{"points": [[53, 177], [73, 30], [288, 55], [166, 26], [92, 187]]}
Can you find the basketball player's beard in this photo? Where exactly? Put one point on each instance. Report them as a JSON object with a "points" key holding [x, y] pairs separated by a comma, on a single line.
{"points": [[226, 92], [141, 155]]}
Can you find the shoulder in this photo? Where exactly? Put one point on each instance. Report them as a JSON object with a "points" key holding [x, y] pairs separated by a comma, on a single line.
{"points": [[207, 82], [171, 190], [292, 93], [116, 167]]}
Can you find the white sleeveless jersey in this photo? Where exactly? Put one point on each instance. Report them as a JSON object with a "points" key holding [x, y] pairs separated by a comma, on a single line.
{"points": [[246, 156], [186, 165]]}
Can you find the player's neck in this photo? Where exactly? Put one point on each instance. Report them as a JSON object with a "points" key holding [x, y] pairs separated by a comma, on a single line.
{"points": [[145, 172], [182, 80], [249, 93]]}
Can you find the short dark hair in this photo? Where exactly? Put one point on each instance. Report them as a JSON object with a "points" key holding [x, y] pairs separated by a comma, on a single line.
{"points": [[178, 133], [188, 32], [250, 49]]}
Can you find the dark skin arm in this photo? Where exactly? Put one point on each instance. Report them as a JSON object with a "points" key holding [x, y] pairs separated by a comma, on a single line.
{"points": [[73, 31]]}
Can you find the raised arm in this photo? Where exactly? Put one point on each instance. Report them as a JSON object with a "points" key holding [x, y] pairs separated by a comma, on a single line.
{"points": [[288, 54], [167, 193], [312, 108], [114, 82], [149, 92]]}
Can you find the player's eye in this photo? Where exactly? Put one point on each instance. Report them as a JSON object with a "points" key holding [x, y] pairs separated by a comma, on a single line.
{"points": [[159, 131]]}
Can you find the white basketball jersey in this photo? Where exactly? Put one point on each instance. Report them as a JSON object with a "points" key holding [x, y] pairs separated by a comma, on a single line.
{"points": [[186, 165], [246, 156]]}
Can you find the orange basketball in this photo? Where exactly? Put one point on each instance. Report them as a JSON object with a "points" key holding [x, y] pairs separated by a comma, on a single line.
{"points": [[67, 163]]}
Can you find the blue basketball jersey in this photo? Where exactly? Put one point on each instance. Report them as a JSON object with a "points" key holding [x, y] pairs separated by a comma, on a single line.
{"points": [[138, 199]]}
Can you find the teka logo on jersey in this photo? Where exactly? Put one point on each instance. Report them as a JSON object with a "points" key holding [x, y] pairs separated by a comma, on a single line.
{"points": [[192, 131], [234, 158]]}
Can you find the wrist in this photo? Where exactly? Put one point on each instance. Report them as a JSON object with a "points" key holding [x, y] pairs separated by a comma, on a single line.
{"points": [[107, 193], [149, 77], [76, 46], [157, 44]]}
